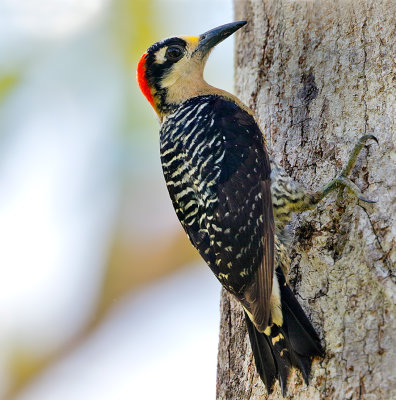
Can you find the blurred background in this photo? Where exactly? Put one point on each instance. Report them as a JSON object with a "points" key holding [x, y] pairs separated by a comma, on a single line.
{"points": [[101, 295]]}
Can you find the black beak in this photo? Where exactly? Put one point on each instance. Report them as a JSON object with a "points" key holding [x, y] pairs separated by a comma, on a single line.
{"points": [[213, 37]]}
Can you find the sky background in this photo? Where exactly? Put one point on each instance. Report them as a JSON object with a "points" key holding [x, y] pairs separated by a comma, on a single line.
{"points": [[101, 295]]}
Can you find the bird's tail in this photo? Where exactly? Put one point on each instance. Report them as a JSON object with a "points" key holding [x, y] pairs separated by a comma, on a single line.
{"points": [[292, 344]]}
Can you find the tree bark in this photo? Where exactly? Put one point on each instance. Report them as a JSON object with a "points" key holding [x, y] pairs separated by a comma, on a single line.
{"points": [[320, 74]]}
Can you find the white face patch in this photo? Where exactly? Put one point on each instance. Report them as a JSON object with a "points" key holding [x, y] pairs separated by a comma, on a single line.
{"points": [[160, 56], [182, 69]]}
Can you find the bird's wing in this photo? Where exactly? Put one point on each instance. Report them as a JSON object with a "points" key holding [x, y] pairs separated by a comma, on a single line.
{"points": [[258, 294]]}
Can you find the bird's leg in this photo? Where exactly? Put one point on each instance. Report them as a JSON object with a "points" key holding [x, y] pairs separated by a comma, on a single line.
{"points": [[341, 181], [289, 196]]}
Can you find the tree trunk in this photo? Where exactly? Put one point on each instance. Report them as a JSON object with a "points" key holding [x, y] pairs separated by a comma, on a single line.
{"points": [[319, 75]]}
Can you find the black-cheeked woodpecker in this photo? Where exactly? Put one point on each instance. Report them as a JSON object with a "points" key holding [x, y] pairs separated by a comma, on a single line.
{"points": [[232, 207]]}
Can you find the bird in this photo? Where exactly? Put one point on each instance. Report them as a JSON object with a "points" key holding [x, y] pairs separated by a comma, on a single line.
{"points": [[232, 199]]}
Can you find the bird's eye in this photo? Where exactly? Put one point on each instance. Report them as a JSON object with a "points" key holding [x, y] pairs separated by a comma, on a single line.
{"points": [[174, 53]]}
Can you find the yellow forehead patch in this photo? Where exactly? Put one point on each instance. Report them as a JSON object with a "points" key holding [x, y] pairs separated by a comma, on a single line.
{"points": [[192, 41]]}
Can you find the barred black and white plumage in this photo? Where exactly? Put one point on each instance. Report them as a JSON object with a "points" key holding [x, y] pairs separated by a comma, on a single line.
{"points": [[219, 178], [217, 173]]}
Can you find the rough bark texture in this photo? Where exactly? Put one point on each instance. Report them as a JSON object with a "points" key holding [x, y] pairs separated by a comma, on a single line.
{"points": [[320, 74]]}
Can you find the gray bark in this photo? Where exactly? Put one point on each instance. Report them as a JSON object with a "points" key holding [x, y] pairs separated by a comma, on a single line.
{"points": [[319, 75]]}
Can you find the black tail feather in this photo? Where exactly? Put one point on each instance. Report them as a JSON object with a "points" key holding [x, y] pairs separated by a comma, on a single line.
{"points": [[263, 357], [282, 355], [302, 335], [292, 344]]}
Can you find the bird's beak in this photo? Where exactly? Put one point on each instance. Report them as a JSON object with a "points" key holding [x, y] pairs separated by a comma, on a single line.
{"points": [[211, 38]]}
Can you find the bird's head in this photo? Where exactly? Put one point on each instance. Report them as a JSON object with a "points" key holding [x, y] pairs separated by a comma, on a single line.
{"points": [[171, 71]]}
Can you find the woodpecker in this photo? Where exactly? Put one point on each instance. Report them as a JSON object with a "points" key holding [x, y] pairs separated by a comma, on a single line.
{"points": [[232, 200]]}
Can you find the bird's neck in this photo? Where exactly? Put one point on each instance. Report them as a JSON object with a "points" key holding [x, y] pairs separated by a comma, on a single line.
{"points": [[168, 99]]}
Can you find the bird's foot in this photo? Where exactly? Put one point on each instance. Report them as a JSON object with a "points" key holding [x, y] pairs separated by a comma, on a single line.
{"points": [[342, 182]]}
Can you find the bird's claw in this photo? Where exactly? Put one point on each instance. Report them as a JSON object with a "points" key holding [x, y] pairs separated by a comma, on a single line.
{"points": [[355, 152], [360, 197], [363, 139], [343, 182]]}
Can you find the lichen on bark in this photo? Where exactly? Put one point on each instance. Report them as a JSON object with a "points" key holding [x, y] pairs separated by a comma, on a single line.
{"points": [[320, 74]]}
